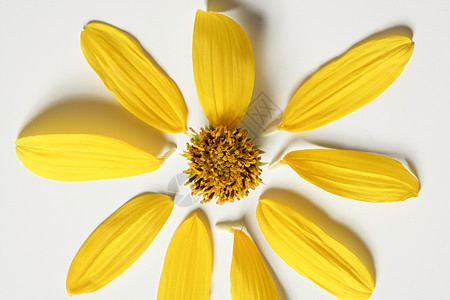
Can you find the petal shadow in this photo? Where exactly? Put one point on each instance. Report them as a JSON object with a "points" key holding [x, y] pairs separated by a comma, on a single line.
{"points": [[336, 230], [94, 115], [220, 5]]}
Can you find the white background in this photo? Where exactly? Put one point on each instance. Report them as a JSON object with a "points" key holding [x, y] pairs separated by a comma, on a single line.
{"points": [[48, 87]]}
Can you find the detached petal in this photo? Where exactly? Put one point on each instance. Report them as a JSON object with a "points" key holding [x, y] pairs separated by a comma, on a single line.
{"points": [[249, 276], [138, 84], [117, 243], [188, 264], [347, 83], [312, 253], [354, 174], [224, 69], [83, 157]]}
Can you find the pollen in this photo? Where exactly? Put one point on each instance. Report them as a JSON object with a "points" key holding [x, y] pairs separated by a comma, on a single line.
{"points": [[223, 164]]}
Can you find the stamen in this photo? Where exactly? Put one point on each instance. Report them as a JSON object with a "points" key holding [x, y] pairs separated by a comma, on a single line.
{"points": [[223, 164]]}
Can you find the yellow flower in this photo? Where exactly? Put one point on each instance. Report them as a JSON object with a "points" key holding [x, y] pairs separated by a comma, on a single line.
{"points": [[224, 162]]}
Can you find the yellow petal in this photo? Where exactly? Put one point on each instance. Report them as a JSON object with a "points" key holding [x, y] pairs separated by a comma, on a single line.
{"points": [[188, 264], [249, 276], [347, 83], [128, 72], [312, 253], [224, 70], [354, 174], [117, 243], [82, 157]]}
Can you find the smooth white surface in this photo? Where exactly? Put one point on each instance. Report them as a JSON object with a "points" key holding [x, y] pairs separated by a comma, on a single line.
{"points": [[44, 79]]}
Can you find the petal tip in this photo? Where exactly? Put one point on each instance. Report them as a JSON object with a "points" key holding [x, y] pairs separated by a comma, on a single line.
{"points": [[71, 288], [90, 27], [414, 194], [170, 202], [262, 203], [194, 216], [21, 141], [200, 13]]}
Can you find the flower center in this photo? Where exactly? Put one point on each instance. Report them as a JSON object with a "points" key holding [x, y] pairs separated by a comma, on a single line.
{"points": [[223, 164]]}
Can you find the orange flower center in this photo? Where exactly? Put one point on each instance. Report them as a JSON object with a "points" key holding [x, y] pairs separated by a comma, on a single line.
{"points": [[223, 164]]}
